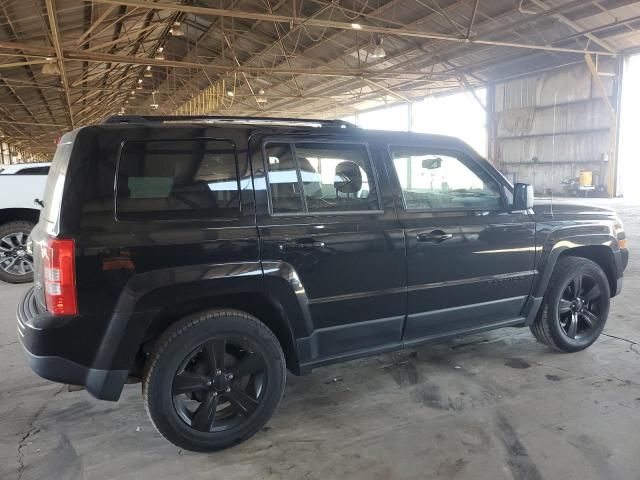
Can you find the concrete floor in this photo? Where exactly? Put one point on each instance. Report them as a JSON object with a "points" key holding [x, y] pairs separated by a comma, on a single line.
{"points": [[491, 406]]}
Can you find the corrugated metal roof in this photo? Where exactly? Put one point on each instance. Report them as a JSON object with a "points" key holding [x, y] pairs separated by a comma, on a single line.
{"points": [[307, 62]]}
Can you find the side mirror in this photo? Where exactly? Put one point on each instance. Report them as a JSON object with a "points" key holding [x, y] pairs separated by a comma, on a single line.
{"points": [[432, 163], [522, 196]]}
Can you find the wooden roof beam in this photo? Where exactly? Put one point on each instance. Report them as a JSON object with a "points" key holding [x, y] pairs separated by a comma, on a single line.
{"points": [[57, 45], [95, 25]]}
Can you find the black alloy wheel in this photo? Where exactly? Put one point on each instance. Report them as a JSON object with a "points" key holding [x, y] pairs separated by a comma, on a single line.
{"points": [[575, 306], [580, 306], [213, 380], [219, 385]]}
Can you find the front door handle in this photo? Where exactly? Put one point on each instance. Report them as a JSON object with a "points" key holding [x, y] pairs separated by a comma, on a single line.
{"points": [[300, 245], [436, 236]]}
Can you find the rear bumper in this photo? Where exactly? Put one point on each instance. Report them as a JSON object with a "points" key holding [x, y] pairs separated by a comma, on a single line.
{"points": [[50, 346], [102, 384]]}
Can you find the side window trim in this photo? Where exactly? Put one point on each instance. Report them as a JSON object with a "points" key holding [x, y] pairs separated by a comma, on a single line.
{"points": [[265, 161], [305, 212], [296, 161], [177, 220], [461, 156]]}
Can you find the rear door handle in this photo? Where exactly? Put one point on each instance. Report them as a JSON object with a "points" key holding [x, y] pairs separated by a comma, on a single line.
{"points": [[300, 245], [436, 236]]}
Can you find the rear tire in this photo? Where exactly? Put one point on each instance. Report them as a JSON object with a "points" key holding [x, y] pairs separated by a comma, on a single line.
{"points": [[16, 264], [213, 380], [575, 306]]}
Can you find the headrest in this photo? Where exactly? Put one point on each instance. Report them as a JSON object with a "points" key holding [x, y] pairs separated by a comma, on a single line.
{"points": [[348, 178], [305, 165]]}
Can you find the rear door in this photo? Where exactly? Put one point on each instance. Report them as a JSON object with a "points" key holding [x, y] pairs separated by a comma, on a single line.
{"points": [[325, 214], [470, 261]]}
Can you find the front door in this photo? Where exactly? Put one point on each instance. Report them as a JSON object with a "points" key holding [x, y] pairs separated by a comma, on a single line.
{"points": [[323, 218], [470, 261]]}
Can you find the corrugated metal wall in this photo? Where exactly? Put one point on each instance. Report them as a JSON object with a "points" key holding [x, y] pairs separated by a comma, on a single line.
{"points": [[548, 127]]}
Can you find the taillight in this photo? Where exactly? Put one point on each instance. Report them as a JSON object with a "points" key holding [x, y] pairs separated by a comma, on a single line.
{"points": [[60, 277]]}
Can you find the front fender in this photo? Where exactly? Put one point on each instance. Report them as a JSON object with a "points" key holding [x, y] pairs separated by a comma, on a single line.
{"points": [[562, 238]]}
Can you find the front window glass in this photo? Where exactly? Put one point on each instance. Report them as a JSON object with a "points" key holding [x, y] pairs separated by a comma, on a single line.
{"points": [[439, 180]]}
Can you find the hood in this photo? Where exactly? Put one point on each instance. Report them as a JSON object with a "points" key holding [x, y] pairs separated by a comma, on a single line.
{"points": [[562, 208]]}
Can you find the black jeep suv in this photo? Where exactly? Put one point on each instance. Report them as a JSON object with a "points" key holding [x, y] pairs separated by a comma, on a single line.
{"points": [[208, 255]]}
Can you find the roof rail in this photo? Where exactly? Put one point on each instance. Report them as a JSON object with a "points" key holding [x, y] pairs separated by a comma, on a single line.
{"points": [[226, 119]]}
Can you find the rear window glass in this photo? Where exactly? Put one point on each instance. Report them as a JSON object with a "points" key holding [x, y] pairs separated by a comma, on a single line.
{"points": [[33, 171], [307, 177], [177, 180]]}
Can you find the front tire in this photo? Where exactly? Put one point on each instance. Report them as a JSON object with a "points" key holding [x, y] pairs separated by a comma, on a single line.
{"points": [[213, 380], [575, 307], [16, 262]]}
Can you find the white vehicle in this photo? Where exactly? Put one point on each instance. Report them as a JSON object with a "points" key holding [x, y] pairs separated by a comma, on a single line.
{"points": [[21, 187]]}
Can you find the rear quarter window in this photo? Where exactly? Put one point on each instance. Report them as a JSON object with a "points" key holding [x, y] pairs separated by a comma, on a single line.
{"points": [[56, 180], [33, 171], [177, 180]]}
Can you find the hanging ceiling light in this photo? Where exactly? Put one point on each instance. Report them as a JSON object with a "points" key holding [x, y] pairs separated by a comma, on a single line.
{"points": [[230, 93], [176, 30], [159, 54], [147, 72], [51, 67], [263, 81], [378, 51], [154, 103], [261, 98]]}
